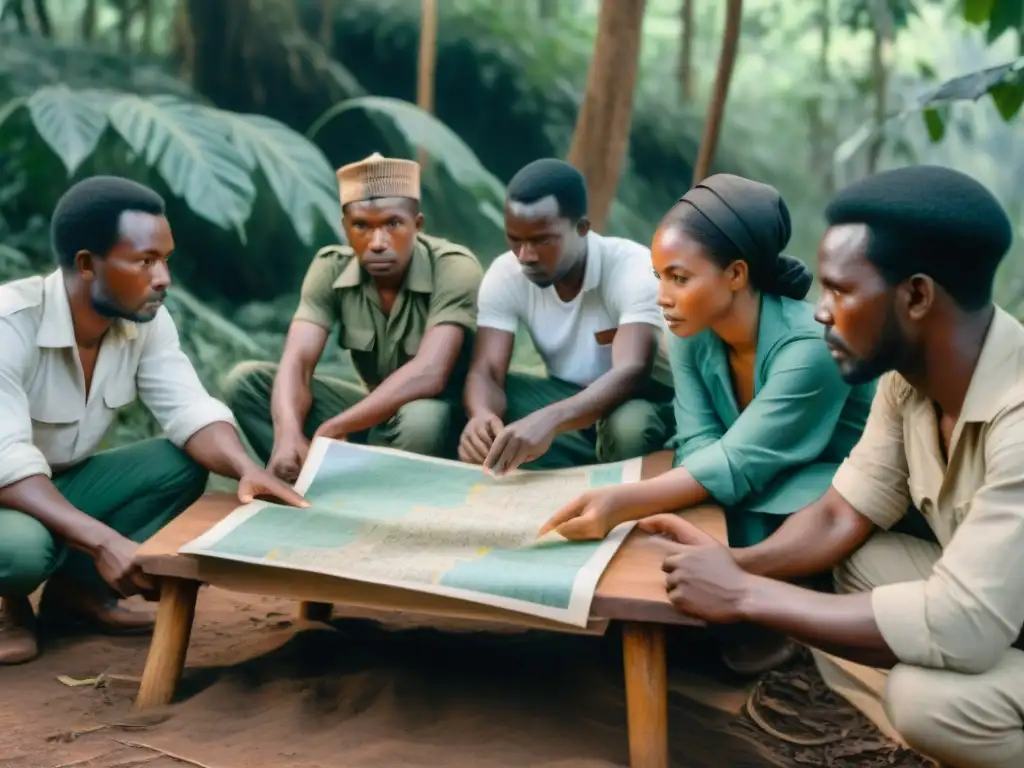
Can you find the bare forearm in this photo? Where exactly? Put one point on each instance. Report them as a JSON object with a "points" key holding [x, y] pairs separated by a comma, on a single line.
{"points": [[673, 491], [843, 625], [39, 498], [812, 541], [218, 448], [410, 382], [484, 395], [599, 399], [291, 399]]}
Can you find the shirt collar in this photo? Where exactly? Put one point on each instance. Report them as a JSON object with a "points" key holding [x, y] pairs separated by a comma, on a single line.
{"points": [[419, 278], [56, 329], [997, 370]]}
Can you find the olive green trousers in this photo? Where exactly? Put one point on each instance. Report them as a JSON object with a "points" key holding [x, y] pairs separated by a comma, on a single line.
{"points": [[427, 427], [637, 427], [136, 490]]}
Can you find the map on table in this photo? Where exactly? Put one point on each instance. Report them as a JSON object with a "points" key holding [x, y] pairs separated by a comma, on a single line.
{"points": [[387, 517]]}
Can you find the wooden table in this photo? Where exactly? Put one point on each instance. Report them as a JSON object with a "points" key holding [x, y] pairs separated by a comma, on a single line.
{"points": [[631, 590]]}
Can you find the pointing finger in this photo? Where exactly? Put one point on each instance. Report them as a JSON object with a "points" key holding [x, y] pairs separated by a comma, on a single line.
{"points": [[573, 509]]}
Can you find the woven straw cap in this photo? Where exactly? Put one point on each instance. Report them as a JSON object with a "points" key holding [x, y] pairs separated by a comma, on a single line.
{"points": [[378, 176]]}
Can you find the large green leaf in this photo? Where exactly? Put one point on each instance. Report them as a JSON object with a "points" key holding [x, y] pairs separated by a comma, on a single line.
{"points": [[977, 11], [421, 130], [296, 170], [70, 122], [193, 152], [8, 109], [1004, 83], [206, 156], [935, 122], [1006, 14]]}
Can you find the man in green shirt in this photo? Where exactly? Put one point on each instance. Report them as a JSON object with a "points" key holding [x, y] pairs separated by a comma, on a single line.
{"points": [[406, 307]]}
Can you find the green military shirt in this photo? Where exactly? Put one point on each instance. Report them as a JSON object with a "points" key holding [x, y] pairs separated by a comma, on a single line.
{"points": [[440, 286]]}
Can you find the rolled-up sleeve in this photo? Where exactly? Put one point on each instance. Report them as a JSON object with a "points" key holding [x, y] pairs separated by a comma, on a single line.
{"points": [[169, 386], [967, 614], [456, 286], [789, 423], [19, 458], [316, 298], [873, 478]]}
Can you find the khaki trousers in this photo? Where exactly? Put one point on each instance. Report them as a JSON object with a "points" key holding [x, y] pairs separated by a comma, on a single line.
{"points": [[962, 721]]}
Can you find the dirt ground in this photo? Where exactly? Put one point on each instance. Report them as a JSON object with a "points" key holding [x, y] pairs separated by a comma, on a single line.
{"points": [[263, 690]]}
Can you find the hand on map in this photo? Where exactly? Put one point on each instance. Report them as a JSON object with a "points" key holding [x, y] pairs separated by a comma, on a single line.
{"points": [[590, 515], [478, 437], [706, 582], [287, 458], [520, 442], [115, 561], [260, 482], [333, 428]]}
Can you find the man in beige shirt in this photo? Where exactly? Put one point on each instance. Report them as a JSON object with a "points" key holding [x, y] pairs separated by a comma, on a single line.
{"points": [[79, 345], [907, 268]]}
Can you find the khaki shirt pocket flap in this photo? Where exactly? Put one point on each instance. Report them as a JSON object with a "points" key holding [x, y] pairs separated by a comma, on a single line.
{"points": [[56, 410], [411, 343], [120, 394], [358, 339]]}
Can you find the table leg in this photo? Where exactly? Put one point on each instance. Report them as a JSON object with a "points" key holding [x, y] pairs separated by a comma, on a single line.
{"points": [[315, 611], [643, 650], [167, 650]]}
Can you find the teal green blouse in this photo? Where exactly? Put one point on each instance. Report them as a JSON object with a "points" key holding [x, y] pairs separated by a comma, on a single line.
{"points": [[779, 454]]}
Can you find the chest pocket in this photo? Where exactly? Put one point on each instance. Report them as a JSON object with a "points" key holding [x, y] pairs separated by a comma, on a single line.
{"points": [[411, 344], [357, 339], [55, 425], [120, 393]]}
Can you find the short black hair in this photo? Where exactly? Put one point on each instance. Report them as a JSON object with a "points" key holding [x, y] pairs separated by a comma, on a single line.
{"points": [[554, 177], [88, 215], [930, 220]]}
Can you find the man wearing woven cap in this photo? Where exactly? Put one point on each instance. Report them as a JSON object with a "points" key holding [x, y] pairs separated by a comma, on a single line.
{"points": [[907, 269], [406, 306]]}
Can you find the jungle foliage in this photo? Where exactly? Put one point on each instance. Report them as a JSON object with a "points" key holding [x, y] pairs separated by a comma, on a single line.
{"points": [[238, 113]]}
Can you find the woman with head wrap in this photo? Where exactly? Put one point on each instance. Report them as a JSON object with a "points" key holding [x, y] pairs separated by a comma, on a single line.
{"points": [[763, 417]]}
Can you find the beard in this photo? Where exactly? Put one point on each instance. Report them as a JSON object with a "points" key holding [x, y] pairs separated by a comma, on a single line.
{"points": [[105, 306], [890, 353]]}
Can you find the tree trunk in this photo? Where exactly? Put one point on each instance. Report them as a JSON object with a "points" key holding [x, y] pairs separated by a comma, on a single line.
{"points": [[146, 9], [819, 131], [184, 44], [601, 136], [124, 25], [43, 18], [89, 20], [425, 76], [327, 24], [684, 71], [254, 56], [716, 109], [17, 10], [881, 56], [547, 9]]}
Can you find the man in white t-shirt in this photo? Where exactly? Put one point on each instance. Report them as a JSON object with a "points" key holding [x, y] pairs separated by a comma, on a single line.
{"points": [[589, 304]]}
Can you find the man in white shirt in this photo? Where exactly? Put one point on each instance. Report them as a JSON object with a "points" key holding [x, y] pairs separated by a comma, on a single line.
{"points": [[590, 305], [79, 345]]}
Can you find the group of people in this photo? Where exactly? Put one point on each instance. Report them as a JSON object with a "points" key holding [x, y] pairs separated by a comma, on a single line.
{"points": [[869, 435]]}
